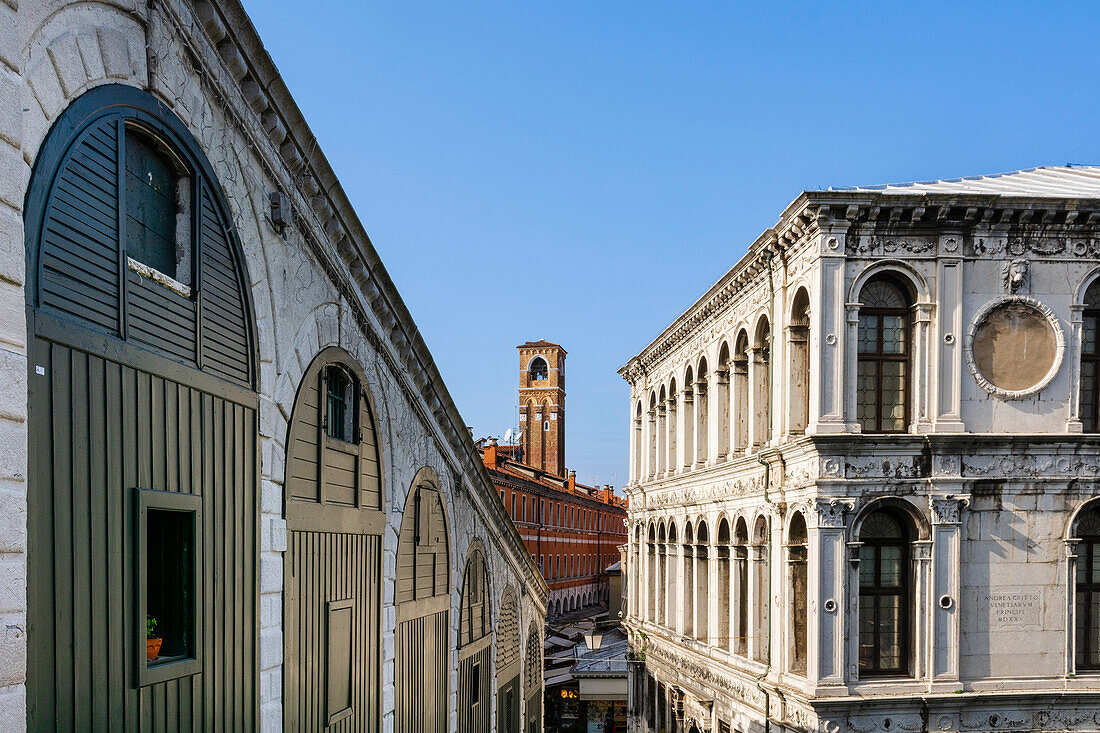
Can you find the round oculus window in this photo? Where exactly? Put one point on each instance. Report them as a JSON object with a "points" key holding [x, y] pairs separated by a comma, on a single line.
{"points": [[1015, 347]]}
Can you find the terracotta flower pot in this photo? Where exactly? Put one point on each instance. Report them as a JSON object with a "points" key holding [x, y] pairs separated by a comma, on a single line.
{"points": [[152, 648]]}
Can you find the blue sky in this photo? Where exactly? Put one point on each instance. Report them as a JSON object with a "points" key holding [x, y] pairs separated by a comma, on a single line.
{"points": [[630, 152]]}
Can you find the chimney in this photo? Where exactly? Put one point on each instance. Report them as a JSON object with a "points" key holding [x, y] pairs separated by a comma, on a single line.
{"points": [[489, 455], [572, 482]]}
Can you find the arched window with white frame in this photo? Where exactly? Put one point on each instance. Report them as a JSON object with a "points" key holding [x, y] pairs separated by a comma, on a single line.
{"points": [[1090, 360], [1086, 602], [883, 356]]}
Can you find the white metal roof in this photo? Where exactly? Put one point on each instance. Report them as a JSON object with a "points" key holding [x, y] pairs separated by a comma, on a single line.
{"points": [[1066, 181]]}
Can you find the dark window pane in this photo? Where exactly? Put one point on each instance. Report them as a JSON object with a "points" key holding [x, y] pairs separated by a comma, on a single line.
{"points": [[150, 206]]}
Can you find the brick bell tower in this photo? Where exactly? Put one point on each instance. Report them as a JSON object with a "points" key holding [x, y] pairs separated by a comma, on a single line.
{"points": [[542, 405]]}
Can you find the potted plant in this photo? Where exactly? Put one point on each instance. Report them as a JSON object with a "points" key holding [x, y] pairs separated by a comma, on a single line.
{"points": [[152, 641]]}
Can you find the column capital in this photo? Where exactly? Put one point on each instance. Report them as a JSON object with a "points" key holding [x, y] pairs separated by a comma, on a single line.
{"points": [[945, 509], [828, 513]]}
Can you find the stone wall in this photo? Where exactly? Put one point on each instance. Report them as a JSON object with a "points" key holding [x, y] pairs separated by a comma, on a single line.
{"points": [[306, 286]]}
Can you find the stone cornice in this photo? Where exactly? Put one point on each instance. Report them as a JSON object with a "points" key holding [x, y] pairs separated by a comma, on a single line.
{"points": [[1029, 218], [247, 80]]}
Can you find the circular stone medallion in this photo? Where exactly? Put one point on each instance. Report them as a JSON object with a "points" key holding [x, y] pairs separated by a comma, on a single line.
{"points": [[1015, 347]]}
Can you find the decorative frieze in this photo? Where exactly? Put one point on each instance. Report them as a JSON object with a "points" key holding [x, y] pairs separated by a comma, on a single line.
{"points": [[707, 676]]}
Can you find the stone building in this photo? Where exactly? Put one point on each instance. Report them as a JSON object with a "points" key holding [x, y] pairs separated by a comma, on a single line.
{"points": [[234, 490], [866, 469], [571, 530]]}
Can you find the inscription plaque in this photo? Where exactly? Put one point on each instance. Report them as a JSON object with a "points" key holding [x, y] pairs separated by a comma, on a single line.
{"points": [[1014, 607]]}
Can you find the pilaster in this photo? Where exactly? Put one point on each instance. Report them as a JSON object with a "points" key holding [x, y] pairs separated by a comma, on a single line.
{"points": [[949, 365], [943, 599]]}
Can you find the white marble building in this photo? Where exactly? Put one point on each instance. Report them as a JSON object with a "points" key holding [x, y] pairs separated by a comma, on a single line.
{"points": [[865, 489], [313, 283]]}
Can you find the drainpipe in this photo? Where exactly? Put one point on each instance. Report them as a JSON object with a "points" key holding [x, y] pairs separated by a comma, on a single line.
{"points": [[768, 255]]}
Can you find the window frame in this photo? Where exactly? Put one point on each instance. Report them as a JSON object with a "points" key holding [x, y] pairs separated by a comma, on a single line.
{"points": [[1087, 563], [1091, 422], [904, 592], [146, 500], [879, 357]]}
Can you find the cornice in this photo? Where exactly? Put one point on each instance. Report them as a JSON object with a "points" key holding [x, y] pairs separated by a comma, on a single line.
{"points": [[223, 42], [867, 213]]}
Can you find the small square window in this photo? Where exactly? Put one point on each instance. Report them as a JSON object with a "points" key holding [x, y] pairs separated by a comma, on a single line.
{"points": [[169, 555], [341, 398], [158, 212]]}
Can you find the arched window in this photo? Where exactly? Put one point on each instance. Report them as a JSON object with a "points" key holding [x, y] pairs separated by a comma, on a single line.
{"points": [[1087, 599], [639, 449], [422, 596], [884, 594], [741, 586], [671, 583], [689, 419], [474, 645], [688, 549], [537, 370], [882, 378], [508, 664], [701, 417], [662, 573], [723, 548], [652, 469], [1090, 360], [759, 633], [670, 417], [532, 679], [702, 583], [722, 402], [796, 579], [741, 393], [651, 576], [662, 432], [761, 383], [798, 374]]}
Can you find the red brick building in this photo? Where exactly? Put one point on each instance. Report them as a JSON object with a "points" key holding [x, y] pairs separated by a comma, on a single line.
{"points": [[571, 530]]}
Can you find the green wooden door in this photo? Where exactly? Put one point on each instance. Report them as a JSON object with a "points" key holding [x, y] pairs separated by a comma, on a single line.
{"points": [[333, 563]]}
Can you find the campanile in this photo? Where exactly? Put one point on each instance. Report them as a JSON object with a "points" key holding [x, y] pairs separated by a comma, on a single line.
{"points": [[542, 405]]}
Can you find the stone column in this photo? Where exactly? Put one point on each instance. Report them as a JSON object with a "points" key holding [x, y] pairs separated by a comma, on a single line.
{"points": [[702, 423], [757, 642], [921, 421], [675, 597], [851, 613], [720, 398], [714, 400], [921, 651], [1073, 354], [943, 635], [686, 418], [713, 601], [829, 378], [758, 399], [672, 431], [1070, 665], [949, 365], [651, 444], [662, 439], [851, 366], [825, 591]]}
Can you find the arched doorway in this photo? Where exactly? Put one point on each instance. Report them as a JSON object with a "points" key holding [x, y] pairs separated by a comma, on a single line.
{"points": [[422, 594], [475, 649], [333, 566], [508, 664], [142, 496]]}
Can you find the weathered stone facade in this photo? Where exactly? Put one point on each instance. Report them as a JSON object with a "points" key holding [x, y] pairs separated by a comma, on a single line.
{"points": [[314, 284], [761, 442]]}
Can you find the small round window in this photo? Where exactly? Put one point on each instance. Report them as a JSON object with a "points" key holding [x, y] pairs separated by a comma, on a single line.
{"points": [[1015, 347]]}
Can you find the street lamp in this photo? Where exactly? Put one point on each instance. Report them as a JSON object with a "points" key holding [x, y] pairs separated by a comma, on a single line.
{"points": [[593, 640]]}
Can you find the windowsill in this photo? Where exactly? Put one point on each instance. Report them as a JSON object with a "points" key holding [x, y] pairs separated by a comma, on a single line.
{"points": [[159, 277]]}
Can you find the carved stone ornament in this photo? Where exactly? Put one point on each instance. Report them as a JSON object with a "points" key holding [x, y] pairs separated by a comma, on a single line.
{"points": [[699, 712], [1014, 273], [830, 512], [992, 351], [708, 675], [945, 509]]}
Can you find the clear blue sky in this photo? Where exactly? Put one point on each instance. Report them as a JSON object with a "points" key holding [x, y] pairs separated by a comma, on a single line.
{"points": [[632, 150]]}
